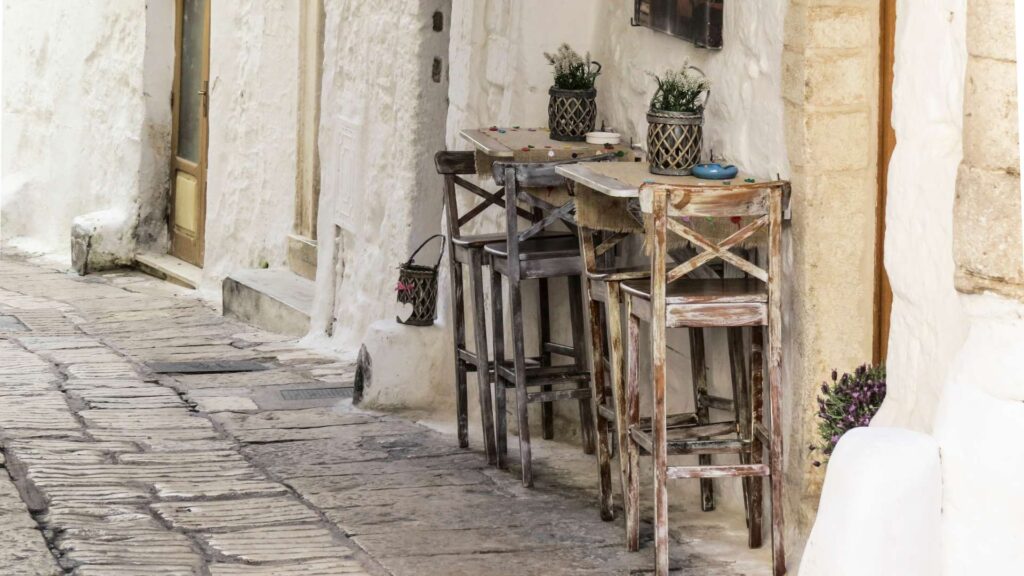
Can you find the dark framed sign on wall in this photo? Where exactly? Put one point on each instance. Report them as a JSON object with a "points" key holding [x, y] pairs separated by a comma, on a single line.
{"points": [[699, 21]]}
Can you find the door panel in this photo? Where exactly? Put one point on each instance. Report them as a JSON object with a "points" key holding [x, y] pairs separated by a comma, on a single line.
{"points": [[191, 107]]}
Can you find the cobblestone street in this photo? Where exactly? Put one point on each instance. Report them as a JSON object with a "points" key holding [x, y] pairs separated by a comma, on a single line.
{"points": [[120, 470]]}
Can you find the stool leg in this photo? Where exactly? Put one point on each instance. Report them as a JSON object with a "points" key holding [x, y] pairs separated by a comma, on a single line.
{"points": [[698, 366], [741, 412], [599, 391], [659, 375], [498, 328], [755, 510], [519, 360], [615, 369], [580, 352], [546, 408], [775, 453], [476, 282], [632, 417], [459, 333]]}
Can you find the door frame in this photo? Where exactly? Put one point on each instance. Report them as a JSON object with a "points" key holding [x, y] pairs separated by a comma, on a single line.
{"points": [[177, 164], [886, 144]]}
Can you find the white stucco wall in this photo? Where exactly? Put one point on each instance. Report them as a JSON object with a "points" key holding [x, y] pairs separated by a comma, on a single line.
{"points": [[76, 117], [382, 118], [927, 323], [251, 177]]}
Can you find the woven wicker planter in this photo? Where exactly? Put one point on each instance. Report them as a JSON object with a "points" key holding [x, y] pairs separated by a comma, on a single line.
{"points": [[571, 113], [674, 141]]}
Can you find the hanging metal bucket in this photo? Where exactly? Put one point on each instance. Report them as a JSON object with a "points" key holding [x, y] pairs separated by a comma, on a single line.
{"points": [[417, 285]]}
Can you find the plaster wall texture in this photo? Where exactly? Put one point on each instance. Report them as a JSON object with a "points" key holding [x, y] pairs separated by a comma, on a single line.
{"points": [[499, 76], [254, 99], [69, 67], [928, 324], [383, 116]]}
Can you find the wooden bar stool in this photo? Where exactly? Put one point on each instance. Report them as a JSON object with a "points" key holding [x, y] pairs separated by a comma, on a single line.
{"points": [[520, 259], [668, 300], [468, 250]]}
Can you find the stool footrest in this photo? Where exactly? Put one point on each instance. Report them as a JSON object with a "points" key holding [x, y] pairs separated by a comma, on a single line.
{"points": [[560, 349], [684, 440], [555, 395], [733, 471], [607, 412], [543, 375], [718, 403]]}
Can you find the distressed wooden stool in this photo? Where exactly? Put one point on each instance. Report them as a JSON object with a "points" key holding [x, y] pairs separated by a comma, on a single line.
{"points": [[518, 259], [668, 300], [468, 250]]}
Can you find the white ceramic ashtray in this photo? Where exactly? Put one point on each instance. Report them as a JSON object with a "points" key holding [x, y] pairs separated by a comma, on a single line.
{"points": [[603, 138]]}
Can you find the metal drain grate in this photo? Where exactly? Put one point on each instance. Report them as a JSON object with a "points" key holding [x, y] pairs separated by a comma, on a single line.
{"points": [[206, 367], [316, 393], [12, 324]]}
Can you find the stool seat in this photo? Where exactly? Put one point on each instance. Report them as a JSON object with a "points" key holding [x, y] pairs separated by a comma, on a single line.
{"points": [[704, 291], [481, 240], [538, 248]]}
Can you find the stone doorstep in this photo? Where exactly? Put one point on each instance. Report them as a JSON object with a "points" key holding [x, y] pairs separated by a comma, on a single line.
{"points": [[272, 299], [167, 267]]}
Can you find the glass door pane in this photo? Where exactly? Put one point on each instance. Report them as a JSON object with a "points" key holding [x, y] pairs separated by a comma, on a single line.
{"points": [[190, 113]]}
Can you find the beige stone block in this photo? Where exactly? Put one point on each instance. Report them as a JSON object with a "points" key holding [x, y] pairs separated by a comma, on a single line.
{"points": [[842, 26], [990, 29], [795, 28], [838, 79], [794, 82], [987, 228], [840, 140], [990, 114], [796, 133]]}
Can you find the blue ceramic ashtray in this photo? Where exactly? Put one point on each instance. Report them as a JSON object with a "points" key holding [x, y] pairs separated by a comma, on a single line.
{"points": [[715, 171]]}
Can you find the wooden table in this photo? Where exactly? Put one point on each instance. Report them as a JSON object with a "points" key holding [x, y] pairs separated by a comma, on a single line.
{"points": [[532, 145]]}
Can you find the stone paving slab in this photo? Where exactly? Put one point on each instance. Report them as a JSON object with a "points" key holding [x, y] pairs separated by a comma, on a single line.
{"points": [[136, 473]]}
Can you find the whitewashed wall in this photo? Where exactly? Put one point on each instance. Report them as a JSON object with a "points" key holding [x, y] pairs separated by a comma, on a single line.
{"points": [[254, 91], [928, 324], [382, 117], [77, 118]]}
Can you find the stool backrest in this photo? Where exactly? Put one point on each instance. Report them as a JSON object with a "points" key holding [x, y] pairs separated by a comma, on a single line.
{"points": [[673, 207], [454, 166]]}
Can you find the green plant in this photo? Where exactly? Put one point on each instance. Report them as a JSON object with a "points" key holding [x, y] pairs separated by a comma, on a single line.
{"points": [[680, 91], [851, 401], [573, 72]]}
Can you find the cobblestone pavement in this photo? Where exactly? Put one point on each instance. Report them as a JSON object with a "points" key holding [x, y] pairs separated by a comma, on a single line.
{"points": [[114, 469]]}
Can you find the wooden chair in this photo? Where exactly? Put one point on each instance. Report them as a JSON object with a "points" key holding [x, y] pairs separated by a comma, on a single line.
{"points": [[468, 250], [519, 260], [604, 298], [668, 300]]}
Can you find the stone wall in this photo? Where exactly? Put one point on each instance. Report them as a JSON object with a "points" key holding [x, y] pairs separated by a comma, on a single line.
{"points": [[79, 125], [382, 118], [252, 166], [830, 89], [987, 243]]}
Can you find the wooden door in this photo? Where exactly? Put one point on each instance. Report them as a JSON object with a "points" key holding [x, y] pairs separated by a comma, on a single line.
{"points": [[191, 128], [886, 144]]}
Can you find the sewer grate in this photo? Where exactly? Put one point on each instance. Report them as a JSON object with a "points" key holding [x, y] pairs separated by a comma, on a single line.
{"points": [[316, 393], [12, 324], [206, 367]]}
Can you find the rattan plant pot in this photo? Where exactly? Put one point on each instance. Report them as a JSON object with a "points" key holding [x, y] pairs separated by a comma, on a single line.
{"points": [[571, 113], [674, 141], [417, 285]]}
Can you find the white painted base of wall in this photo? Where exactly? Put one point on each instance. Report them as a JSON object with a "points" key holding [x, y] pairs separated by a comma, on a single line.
{"points": [[880, 507]]}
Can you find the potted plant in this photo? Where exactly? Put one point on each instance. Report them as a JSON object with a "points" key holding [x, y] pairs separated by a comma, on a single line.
{"points": [[851, 401], [572, 108], [675, 122]]}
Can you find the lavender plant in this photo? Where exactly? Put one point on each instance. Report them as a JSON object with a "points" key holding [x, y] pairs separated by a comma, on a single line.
{"points": [[572, 71], [851, 401], [680, 91]]}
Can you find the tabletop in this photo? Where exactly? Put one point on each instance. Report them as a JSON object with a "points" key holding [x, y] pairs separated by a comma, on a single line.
{"points": [[533, 145], [624, 179]]}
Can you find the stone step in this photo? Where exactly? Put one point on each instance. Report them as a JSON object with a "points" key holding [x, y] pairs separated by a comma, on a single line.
{"points": [[272, 299], [167, 267]]}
